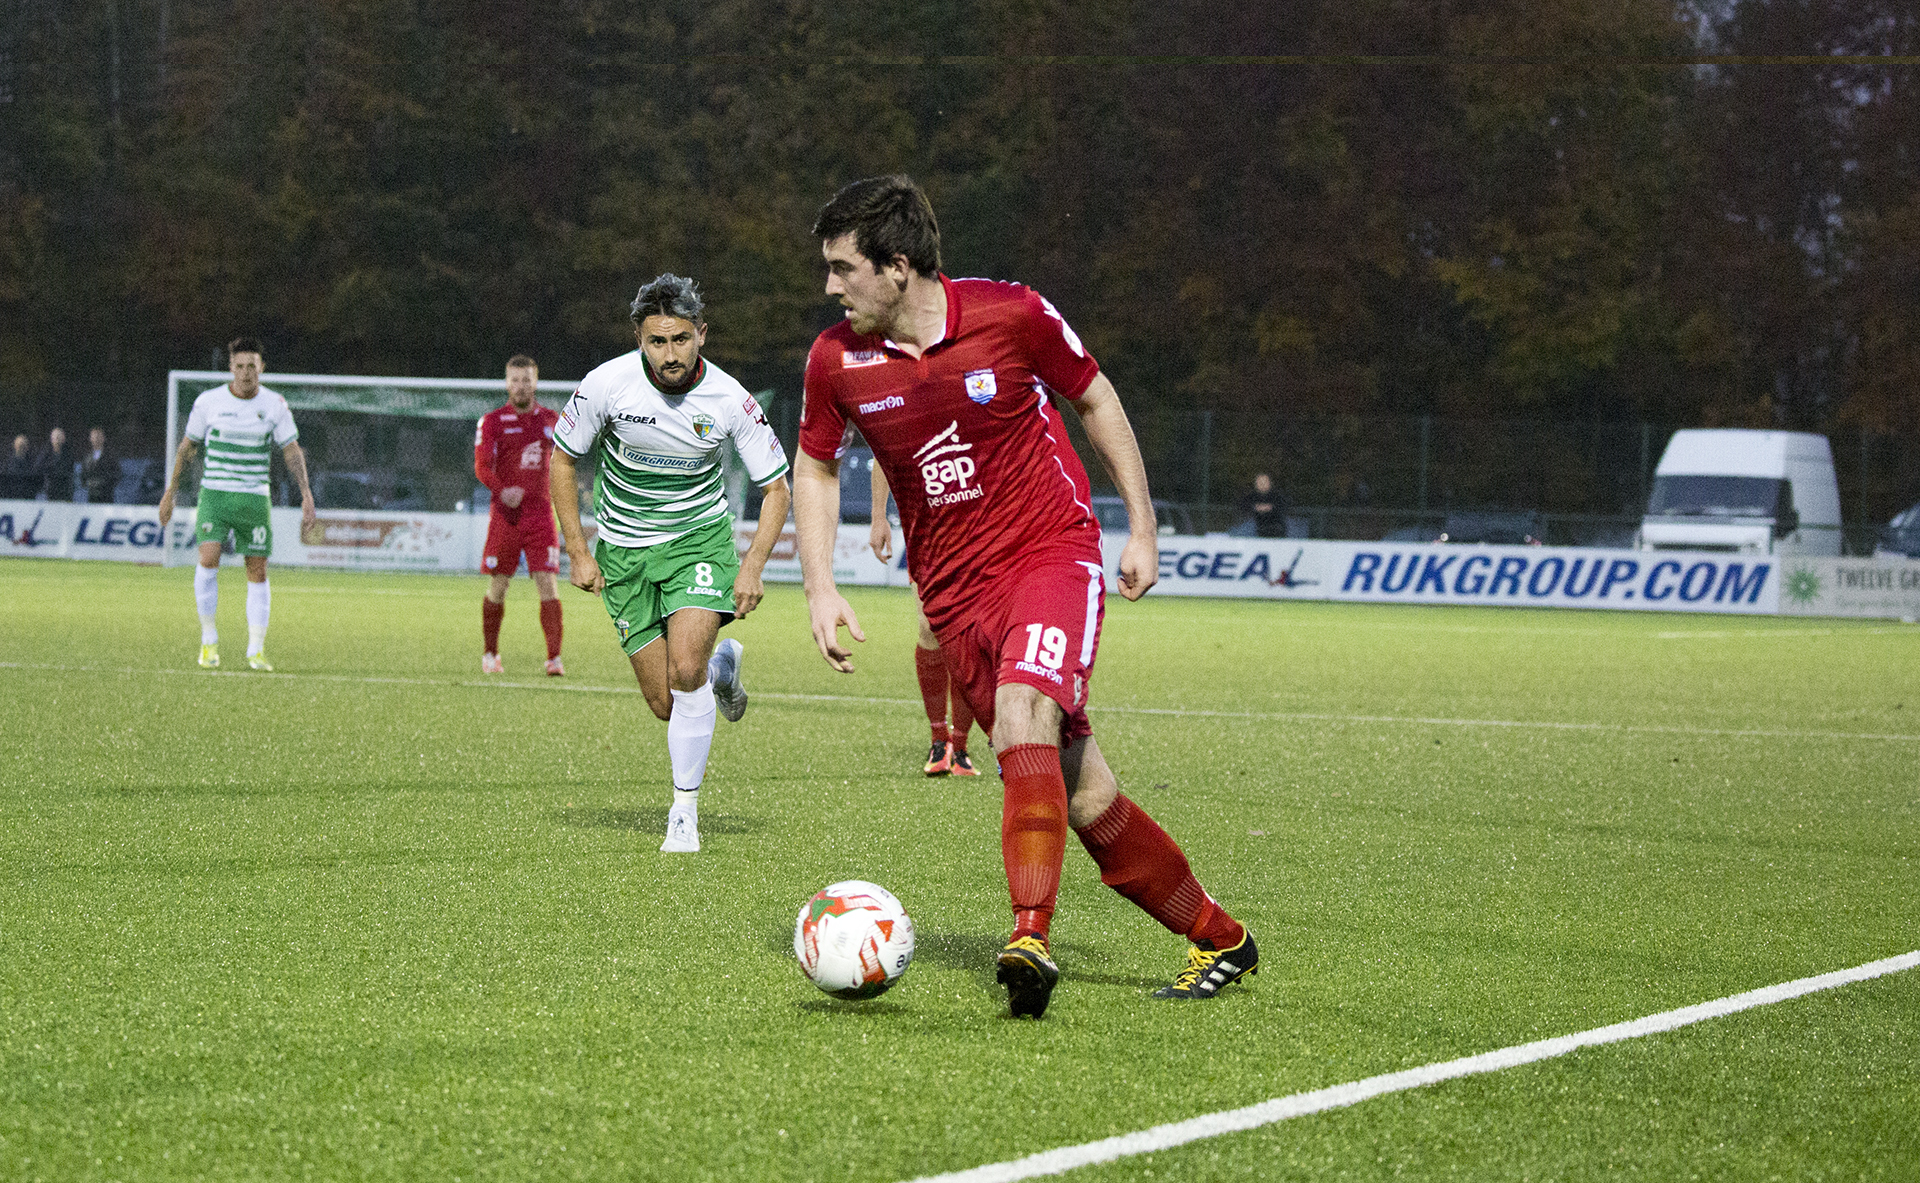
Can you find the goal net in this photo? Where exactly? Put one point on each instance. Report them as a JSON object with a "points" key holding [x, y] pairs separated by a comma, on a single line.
{"points": [[384, 444]]}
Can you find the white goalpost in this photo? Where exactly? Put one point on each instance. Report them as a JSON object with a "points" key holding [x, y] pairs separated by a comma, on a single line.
{"points": [[373, 444]]}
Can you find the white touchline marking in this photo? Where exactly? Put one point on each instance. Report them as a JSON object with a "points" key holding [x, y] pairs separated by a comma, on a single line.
{"points": [[496, 683], [1165, 1137]]}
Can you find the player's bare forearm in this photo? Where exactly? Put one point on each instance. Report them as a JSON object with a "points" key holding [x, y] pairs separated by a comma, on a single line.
{"points": [[297, 465], [816, 519], [748, 586], [182, 456], [880, 535], [563, 491], [1111, 435]]}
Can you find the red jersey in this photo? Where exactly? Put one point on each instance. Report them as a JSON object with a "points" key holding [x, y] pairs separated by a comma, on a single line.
{"points": [[979, 463], [514, 448]]}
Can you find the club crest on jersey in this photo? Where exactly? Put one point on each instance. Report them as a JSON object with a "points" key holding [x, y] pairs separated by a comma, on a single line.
{"points": [[853, 359], [703, 425], [980, 387]]}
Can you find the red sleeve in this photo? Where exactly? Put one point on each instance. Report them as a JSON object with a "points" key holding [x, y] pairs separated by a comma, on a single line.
{"points": [[483, 454], [821, 421], [1058, 357]]}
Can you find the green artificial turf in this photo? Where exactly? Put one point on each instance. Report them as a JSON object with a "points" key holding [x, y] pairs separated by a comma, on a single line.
{"points": [[376, 917]]}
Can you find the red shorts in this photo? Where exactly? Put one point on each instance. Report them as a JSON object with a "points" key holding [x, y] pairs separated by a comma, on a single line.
{"points": [[531, 532], [1042, 632]]}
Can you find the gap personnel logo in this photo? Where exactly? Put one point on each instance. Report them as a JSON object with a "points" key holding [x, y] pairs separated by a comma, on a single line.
{"points": [[980, 386], [888, 403], [703, 425], [946, 469], [853, 359]]}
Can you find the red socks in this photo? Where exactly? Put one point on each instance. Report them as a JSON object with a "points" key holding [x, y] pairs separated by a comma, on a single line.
{"points": [[549, 624], [490, 614], [930, 666], [1137, 859], [961, 722], [1033, 832]]}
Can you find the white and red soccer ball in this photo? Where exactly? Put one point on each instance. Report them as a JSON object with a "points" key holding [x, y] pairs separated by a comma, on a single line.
{"points": [[853, 939]]}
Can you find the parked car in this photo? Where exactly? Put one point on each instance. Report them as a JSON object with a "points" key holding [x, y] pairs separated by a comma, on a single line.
{"points": [[1525, 527], [1900, 538], [1752, 491], [1168, 517]]}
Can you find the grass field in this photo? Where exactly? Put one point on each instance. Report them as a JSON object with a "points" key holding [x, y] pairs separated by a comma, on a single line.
{"points": [[372, 917]]}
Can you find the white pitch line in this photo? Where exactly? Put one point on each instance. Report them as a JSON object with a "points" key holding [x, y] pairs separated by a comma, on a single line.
{"points": [[1171, 712], [1212, 1125]]}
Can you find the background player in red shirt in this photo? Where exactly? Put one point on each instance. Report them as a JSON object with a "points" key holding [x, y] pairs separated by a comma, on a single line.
{"points": [[948, 380], [512, 448]]}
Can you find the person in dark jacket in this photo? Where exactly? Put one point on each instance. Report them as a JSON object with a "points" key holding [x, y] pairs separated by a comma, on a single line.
{"points": [[1267, 506], [18, 477], [56, 467], [99, 468]]}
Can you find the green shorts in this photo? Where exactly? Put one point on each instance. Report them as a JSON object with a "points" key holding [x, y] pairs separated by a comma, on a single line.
{"points": [[645, 585], [246, 514]]}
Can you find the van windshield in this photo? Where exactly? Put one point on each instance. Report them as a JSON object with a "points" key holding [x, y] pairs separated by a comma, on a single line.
{"points": [[1720, 496]]}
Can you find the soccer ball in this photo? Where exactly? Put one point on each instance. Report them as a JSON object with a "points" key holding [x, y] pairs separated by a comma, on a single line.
{"points": [[853, 939]]}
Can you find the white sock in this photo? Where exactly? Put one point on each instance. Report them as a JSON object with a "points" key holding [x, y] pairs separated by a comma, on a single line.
{"points": [[259, 608], [690, 737], [687, 801], [206, 598]]}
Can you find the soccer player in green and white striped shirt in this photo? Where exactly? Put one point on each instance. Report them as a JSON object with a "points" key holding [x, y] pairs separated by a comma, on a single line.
{"points": [[664, 564], [240, 424]]}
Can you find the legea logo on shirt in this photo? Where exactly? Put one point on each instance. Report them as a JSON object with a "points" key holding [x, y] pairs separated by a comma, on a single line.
{"points": [[946, 468]]}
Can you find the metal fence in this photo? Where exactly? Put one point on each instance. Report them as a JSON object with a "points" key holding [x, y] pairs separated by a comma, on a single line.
{"points": [[1358, 476]]}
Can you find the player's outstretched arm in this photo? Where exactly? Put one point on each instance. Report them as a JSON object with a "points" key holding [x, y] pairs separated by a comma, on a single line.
{"points": [[182, 456], [748, 588], [816, 519], [1112, 437], [563, 491]]}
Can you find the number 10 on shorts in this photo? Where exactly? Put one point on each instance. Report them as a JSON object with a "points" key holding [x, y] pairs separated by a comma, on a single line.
{"points": [[1046, 645]]}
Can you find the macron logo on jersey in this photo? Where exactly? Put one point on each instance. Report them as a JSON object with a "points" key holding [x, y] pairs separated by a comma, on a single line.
{"points": [[946, 470], [886, 404]]}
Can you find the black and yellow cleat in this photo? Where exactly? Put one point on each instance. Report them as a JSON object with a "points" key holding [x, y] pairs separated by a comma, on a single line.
{"points": [[939, 760], [1029, 975], [1208, 970], [960, 764]]}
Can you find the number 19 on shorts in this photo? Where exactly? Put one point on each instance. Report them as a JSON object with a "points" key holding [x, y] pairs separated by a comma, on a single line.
{"points": [[1046, 645]]}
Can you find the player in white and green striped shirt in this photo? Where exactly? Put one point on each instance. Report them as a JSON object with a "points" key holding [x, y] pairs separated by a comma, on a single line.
{"points": [[664, 563], [240, 424]]}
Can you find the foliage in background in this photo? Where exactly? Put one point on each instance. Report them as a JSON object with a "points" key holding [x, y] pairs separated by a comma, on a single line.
{"points": [[1481, 210]]}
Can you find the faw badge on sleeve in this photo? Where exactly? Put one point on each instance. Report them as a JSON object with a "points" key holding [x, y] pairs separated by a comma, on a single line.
{"points": [[980, 387]]}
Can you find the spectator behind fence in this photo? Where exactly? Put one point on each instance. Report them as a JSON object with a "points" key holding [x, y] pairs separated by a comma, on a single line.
{"points": [[18, 477], [1267, 506], [99, 468], [56, 465]]}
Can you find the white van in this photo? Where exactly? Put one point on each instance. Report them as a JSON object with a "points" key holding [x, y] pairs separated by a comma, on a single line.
{"points": [[1746, 491]]}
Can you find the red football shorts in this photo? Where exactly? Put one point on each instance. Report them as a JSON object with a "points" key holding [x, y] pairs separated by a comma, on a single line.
{"points": [[1042, 630], [531, 532]]}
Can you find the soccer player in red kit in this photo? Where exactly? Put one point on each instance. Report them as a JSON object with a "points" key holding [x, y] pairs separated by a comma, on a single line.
{"points": [[512, 448], [948, 381]]}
